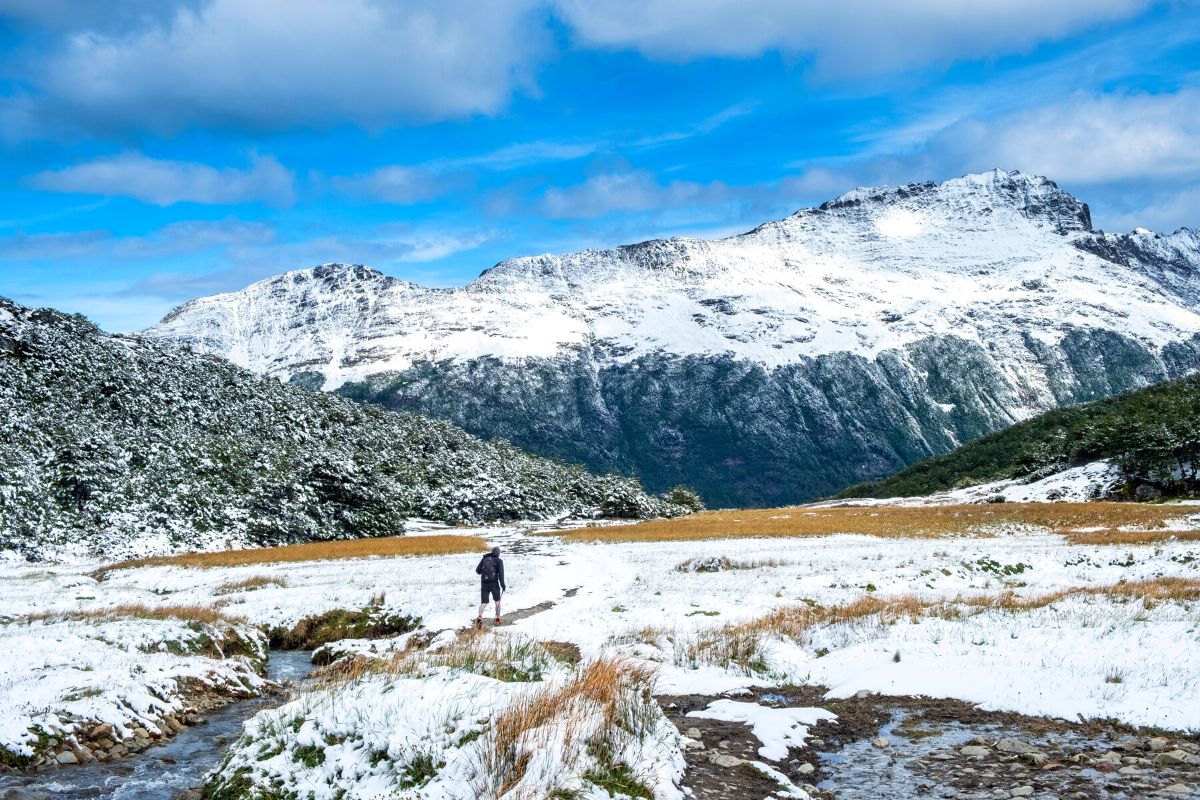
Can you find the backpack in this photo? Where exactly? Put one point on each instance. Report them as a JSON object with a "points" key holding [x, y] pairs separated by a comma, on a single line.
{"points": [[489, 569]]}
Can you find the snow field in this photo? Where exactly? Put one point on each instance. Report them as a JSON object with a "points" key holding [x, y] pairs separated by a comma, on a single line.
{"points": [[63, 675], [431, 726], [1098, 654]]}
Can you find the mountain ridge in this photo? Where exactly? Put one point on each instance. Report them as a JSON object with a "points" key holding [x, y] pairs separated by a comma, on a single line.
{"points": [[834, 345]]}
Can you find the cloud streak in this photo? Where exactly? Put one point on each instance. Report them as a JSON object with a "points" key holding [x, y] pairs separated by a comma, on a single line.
{"points": [[852, 38], [166, 182]]}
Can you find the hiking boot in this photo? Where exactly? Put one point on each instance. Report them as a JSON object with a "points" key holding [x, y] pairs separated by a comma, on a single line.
{"points": [[478, 622], [497, 620]]}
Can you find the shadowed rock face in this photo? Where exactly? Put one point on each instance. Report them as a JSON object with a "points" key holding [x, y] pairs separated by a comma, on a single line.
{"points": [[835, 345], [744, 434]]}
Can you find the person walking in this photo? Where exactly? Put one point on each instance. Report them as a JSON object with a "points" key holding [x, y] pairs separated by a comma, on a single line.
{"points": [[491, 583]]}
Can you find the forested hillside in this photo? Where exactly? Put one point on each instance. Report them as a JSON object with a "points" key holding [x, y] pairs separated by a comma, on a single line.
{"points": [[1152, 435], [125, 446]]}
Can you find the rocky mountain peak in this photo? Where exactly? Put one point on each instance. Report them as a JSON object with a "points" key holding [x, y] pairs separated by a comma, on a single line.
{"points": [[1033, 196]]}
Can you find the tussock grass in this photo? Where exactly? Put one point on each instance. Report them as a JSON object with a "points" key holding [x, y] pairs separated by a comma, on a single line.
{"points": [[314, 551], [505, 658], [596, 711], [1108, 523], [250, 584], [1133, 537], [204, 615], [724, 563]]}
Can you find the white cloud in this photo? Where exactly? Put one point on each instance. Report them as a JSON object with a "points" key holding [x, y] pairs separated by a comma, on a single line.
{"points": [[846, 38], [1086, 139], [174, 239], [381, 246], [36, 246], [633, 191], [259, 63], [164, 182], [397, 184], [684, 203], [1167, 211], [190, 236]]}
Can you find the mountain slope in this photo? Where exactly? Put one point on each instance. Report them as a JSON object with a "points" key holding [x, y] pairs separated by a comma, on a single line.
{"points": [[1152, 436], [836, 345], [127, 446]]}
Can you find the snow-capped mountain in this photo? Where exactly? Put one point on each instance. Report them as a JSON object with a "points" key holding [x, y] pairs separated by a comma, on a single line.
{"points": [[834, 345]]}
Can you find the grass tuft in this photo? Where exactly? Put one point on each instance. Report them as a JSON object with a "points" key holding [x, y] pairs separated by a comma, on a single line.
{"points": [[250, 584]]}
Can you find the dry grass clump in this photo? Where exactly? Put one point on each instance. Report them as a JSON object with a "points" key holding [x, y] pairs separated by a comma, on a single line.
{"points": [[1150, 590], [205, 615], [724, 563], [740, 645], [1103, 519], [1131, 537], [595, 712], [250, 584], [506, 658], [315, 551]]}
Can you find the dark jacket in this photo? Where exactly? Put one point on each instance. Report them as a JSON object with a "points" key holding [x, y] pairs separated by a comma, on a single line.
{"points": [[499, 570]]}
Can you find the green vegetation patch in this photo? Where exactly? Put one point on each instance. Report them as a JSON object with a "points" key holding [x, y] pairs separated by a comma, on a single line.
{"points": [[370, 622], [1152, 435]]}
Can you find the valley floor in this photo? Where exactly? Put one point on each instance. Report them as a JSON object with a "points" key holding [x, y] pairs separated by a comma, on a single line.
{"points": [[796, 636]]}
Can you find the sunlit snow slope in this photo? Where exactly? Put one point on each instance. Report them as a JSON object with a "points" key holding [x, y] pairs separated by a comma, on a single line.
{"points": [[835, 345]]}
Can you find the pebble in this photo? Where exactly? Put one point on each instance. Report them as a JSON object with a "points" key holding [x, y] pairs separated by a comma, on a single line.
{"points": [[1178, 788], [806, 769], [67, 757], [881, 742], [1011, 745], [725, 760], [1175, 757], [1129, 770], [693, 733], [975, 751], [1022, 791], [1158, 743]]}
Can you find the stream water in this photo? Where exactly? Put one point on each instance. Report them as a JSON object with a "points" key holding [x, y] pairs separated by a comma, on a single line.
{"points": [[162, 772], [905, 769]]}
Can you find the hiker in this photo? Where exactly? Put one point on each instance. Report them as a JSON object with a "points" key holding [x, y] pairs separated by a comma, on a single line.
{"points": [[491, 583]]}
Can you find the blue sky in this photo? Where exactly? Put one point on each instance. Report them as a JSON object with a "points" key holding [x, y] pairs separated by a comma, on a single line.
{"points": [[157, 150]]}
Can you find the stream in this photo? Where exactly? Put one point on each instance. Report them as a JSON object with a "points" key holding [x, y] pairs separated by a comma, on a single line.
{"points": [[162, 772]]}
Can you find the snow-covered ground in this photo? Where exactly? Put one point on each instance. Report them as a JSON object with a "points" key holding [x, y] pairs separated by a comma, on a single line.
{"points": [[1072, 485], [1095, 655]]}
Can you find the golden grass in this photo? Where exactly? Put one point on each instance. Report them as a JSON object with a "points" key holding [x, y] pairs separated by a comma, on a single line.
{"points": [[250, 584], [1107, 519], [189, 613], [1130, 537], [389, 546], [617, 687]]}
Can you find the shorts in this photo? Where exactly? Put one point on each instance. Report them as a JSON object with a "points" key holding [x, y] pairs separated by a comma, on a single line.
{"points": [[489, 590]]}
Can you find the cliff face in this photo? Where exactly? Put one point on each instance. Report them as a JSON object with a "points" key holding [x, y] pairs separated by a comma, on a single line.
{"points": [[836, 345]]}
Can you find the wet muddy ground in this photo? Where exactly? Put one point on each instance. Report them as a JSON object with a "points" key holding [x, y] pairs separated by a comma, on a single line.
{"points": [[911, 747]]}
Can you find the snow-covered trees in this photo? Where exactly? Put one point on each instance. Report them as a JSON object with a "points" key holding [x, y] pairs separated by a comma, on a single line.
{"points": [[108, 439]]}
